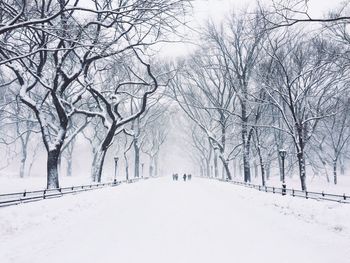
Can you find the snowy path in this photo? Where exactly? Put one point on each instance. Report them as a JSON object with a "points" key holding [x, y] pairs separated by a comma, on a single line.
{"points": [[163, 221]]}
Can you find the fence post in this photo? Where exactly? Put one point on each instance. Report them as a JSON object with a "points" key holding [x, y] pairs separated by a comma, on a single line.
{"points": [[344, 196], [306, 196], [293, 192], [44, 194], [24, 193], [273, 189]]}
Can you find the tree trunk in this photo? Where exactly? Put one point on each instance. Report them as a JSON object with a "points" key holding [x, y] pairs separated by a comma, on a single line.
{"points": [[216, 170], [262, 168], [245, 139], [335, 171], [226, 167], [342, 166], [302, 172], [256, 172], [98, 164], [137, 160], [325, 170], [201, 173], [246, 164], [156, 158], [126, 166], [101, 152], [52, 168], [234, 163], [268, 170], [94, 159], [69, 166], [207, 165], [22, 164], [301, 156], [69, 157], [150, 170]]}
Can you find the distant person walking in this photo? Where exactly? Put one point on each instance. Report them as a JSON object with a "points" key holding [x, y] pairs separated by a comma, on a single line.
{"points": [[189, 177], [184, 177], [175, 177]]}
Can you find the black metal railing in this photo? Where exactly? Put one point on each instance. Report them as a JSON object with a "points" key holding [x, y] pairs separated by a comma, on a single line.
{"points": [[32, 196], [343, 198]]}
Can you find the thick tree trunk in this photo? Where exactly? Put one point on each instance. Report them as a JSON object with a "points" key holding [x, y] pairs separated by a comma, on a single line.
{"points": [[301, 156], [101, 152], [98, 164], [52, 168], [59, 165], [94, 162], [226, 168], [302, 171], [246, 164]]}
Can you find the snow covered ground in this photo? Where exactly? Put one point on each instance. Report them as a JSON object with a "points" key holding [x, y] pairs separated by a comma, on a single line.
{"points": [[163, 221], [10, 184]]}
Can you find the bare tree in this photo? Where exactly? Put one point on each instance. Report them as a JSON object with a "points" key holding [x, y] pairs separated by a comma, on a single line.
{"points": [[67, 48], [155, 129], [303, 84], [287, 13], [239, 47]]}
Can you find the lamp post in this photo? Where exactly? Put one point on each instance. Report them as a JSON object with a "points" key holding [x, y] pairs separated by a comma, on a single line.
{"points": [[115, 169], [283, 154]]}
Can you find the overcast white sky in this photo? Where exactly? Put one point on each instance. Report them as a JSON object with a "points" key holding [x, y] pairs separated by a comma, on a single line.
{"points": [[217, 10]]}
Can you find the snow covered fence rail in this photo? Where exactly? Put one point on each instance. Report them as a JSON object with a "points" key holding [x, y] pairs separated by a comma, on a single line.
{"points": [[31, 196], [295, 193]]}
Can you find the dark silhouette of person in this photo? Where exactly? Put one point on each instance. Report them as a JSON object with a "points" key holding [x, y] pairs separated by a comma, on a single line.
{"points": [[184, 177], [189, 177]]}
